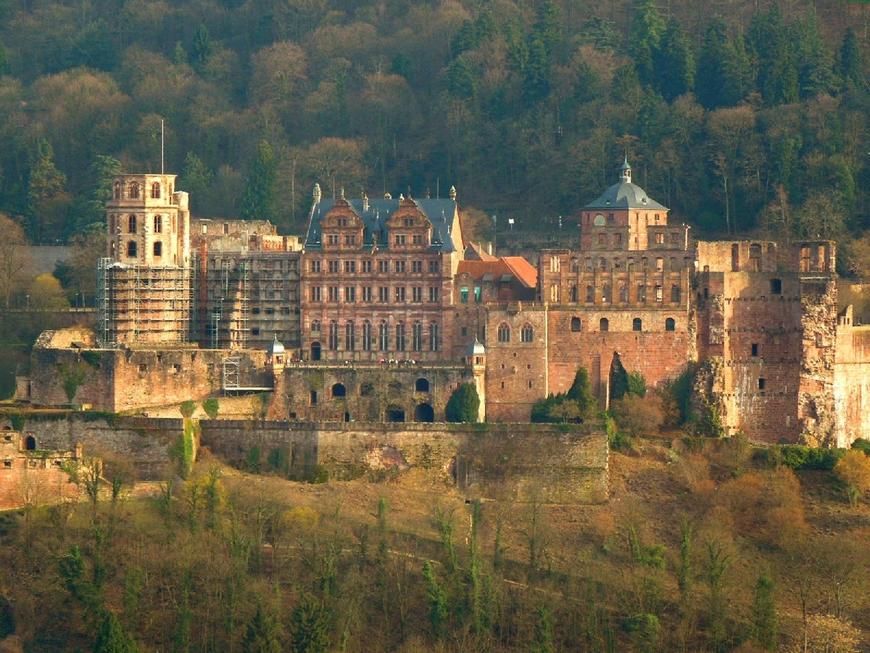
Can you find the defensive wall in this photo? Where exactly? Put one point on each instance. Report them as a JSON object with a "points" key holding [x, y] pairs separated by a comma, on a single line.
{"points": [[852, 380], [557, 463]]}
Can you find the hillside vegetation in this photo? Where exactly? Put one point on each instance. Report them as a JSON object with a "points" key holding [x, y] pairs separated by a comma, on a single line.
{"points": [[739, 115], [703, 546]]}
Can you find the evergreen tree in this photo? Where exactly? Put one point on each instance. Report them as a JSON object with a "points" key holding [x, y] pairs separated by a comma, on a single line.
{"points": [[647, 28], [581, 392], [437, 601], [91, 209], [259, 198], [774, 56], [263, 635], [4, 64], [201, 49], [618, 380], [765, 622], [45, 185], [112, 637], [542, 635], [548, 26], [459, 79], [196, 179], [850, 66], [723, 68], [463, 405], [309, 627], [816, 69], [674, 63], [536, 85]]}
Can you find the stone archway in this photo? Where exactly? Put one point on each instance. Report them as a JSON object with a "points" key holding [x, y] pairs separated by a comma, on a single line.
{"points": [[395, 414], [424, 413]]}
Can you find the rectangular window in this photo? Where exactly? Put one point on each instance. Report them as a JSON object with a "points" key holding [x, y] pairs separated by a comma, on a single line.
{"points": [[660, 238], [350, 239], [367, 266], [383, 267], [641, 293], [400, 294], [400, 267], [477, 294], [333, 293], [350, 294], [433, 267], [417, 239], [755, 349], [554, 264], [417, 294], [332, 239], [350, 267], [333, 267], [315, 294], [315, 265], [416, 267], [383, 295], [400, 239], [433, 294], [761, 384], [658, 293], [463, 295], [367, 294]]}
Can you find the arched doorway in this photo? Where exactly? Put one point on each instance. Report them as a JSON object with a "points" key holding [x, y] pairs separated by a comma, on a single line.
{"points": [[424, 413], [338, 390], [421, 385], [30, 443], [315, 351], [395, 414]]}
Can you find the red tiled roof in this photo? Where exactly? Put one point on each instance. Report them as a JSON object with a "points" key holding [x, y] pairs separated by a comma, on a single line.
{"points": [[516, 266]]}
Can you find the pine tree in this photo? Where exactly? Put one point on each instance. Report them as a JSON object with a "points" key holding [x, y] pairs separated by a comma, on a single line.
{"points": [[646, 31], [542, 635], [459, 79], [581, 392], [765, 622], [309, 627], [196, 179], [259, 198], [850, 66], [674, 63], [91, 209], [770, 43], [536, 85], [263, 635], [463, 405], [201, 49], [437, 601], [45, 184], [112, 637], [816, 70], [723, 75]]}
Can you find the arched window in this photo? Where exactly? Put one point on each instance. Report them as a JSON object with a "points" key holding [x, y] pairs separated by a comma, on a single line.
{"points": [[116, 190], [315, 327], [417, 336], [338, 390], [636, 324], [434, 341], [131, 248], [158, 224], [574, 294], [134, 190], [675, 294], [421, 385], [603, 324], [504, 333], [367, 336], [576, 325], [383, 337], [349, 336], [158, 248], [131, 224], [333, 335], [30, 443], [527, 334], [400, 336], [155, 190], [670, 324]]}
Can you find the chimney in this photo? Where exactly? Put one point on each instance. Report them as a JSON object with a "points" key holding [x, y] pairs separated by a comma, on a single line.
{"points": [[453, 193]]}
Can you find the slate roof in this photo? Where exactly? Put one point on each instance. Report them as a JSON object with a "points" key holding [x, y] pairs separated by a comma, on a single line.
{"points": [[624, 195], [439, 211]]}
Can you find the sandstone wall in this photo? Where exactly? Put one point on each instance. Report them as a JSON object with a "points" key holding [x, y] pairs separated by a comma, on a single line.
{"points": [[560, 464], [852, 384]]}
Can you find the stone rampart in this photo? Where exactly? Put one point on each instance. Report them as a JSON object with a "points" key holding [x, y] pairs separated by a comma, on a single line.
{"points": [[561, 464]]}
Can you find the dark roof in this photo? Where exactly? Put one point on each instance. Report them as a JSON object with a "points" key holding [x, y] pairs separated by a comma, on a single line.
{"points": [[440, 213], [624, 195]]}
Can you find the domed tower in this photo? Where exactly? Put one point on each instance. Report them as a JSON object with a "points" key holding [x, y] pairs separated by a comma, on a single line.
{"points": [[144, 292], [475, 359]]}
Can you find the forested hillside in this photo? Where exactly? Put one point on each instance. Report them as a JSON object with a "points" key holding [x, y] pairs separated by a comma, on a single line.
{"points": [[740, 115]]}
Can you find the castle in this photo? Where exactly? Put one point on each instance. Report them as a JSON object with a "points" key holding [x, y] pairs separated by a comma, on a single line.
{"points": [[384, 308]]}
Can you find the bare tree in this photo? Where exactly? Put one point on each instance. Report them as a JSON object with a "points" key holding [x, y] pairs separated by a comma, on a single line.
{"points": [[13, 258]]}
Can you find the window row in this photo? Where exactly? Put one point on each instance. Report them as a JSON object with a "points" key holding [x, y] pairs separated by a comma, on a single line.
{"points": [[378, 337], [604, 294], [661, 264], [133, 223], [367, 266], [527, 333], [636, 324], [367, 294], [134, 190], [132, 249]]}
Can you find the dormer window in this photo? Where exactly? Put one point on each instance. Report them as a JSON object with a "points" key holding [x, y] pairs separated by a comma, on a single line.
{"points": [[409, 222], [342, 222], [332, 239]]}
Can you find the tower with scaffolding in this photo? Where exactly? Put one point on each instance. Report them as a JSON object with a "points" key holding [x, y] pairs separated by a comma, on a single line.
{"points": [[145, 291]]}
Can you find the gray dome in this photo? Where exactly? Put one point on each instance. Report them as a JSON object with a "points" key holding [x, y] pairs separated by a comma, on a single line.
{"points": [[275, 347], [476, 348]]}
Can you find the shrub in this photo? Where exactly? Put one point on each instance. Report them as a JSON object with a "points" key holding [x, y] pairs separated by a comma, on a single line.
{"points": [[680, 390], [797, 456], [862, 445], [854, 470], [575, 405], [187, 408], [637, 415], [463, 405], [211, 406], [252, 460]]}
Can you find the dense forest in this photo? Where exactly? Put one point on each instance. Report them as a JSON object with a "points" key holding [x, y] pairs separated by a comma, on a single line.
{"points": [[741, 116]]}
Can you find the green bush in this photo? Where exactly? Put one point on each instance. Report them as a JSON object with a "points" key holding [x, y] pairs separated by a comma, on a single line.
{"points": [[575, 405], [798, 456], [92, 358], [862, 445], [252, 460], [211, 406], [187, 408], [463, 405]]}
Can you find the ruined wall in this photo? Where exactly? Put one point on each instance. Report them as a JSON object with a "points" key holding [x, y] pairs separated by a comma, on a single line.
{"points": [[365, 392], [126, 379], [852, 383], [559, 464], [143, 442], [32, 477]]}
